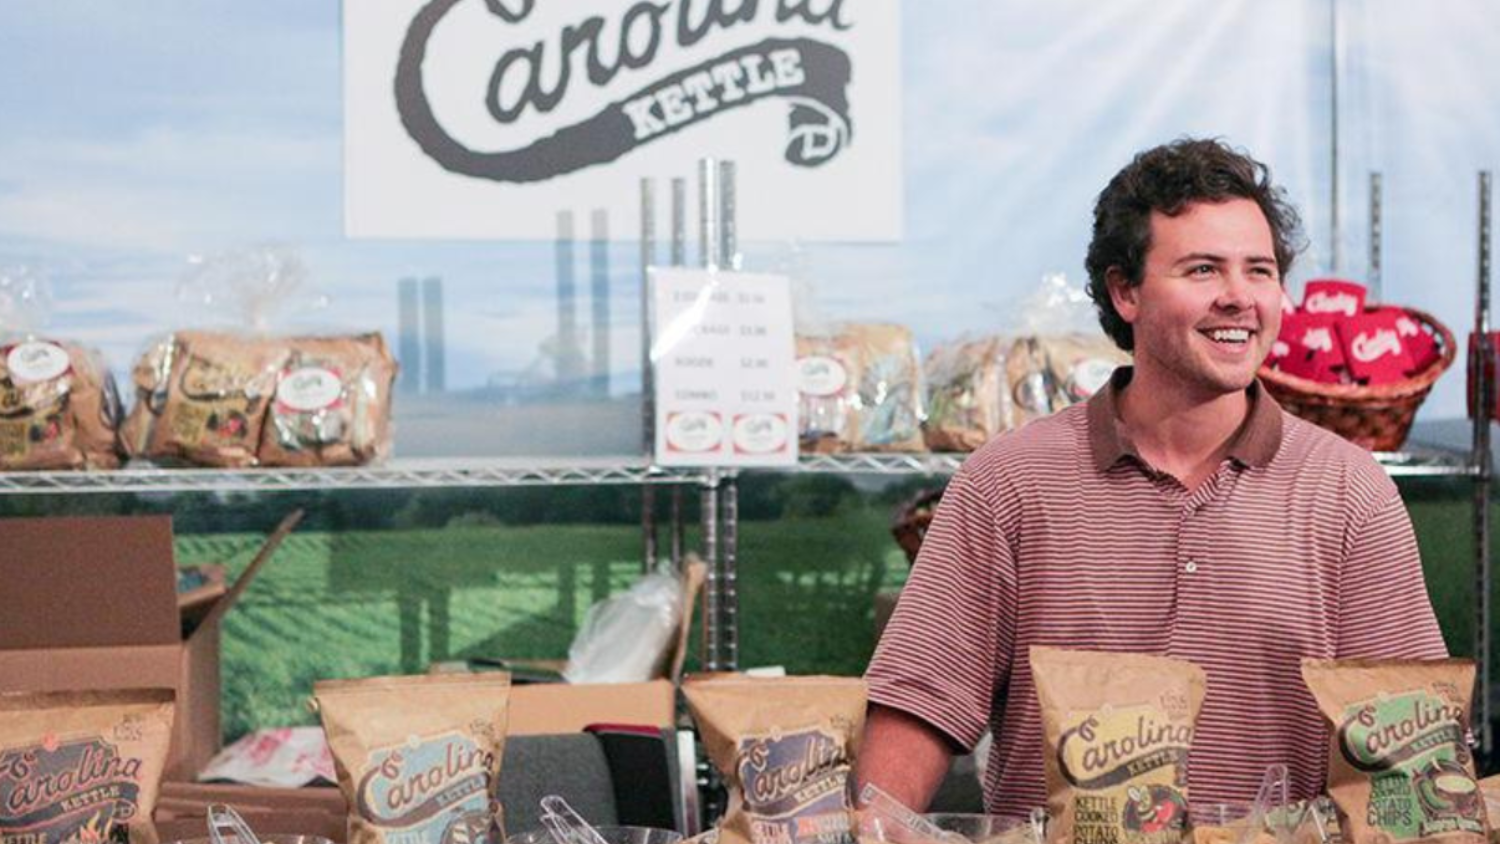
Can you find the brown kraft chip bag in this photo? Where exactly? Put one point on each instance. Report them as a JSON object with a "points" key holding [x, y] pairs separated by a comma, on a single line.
{"points": [[785, 748], [1399, 765], [968, 398], [332, 404], [1116, 733], [418, 758], [58, 408], [859, 389], [82, 767], [202, 397]]}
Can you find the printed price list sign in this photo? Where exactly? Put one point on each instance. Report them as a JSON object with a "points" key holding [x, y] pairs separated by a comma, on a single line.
{"points": [[722, 349]]}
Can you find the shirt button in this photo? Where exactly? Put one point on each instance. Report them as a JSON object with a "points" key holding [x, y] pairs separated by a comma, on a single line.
{"points": [[1191, 567]]}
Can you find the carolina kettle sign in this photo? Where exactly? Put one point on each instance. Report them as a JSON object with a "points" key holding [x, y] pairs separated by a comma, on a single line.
{"points": [[482, 118]]}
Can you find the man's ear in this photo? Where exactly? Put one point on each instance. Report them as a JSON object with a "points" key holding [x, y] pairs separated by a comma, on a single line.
{"points": [[1124, 295]]}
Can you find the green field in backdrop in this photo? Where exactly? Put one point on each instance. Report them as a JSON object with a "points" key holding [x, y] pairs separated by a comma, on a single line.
{"points": [[355, 603]]}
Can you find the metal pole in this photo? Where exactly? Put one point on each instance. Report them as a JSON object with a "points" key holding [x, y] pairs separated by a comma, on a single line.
{"points": [[712, 587], [1377, 229], [567, 326], [708, 214], [728, 226], [599, 303], [708, 258], [1336, 58], [729, 602], [648, 397], [679, 222], [1482, 367], [679, 258]]}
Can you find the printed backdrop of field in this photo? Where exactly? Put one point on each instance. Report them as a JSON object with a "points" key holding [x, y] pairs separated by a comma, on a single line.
{"points": [[354, 603], [359, 603]]}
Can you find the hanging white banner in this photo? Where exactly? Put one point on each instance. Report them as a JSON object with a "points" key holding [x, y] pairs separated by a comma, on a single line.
{"points": [[482, 118]]}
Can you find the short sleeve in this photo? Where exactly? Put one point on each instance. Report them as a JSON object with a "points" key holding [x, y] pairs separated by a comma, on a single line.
{"points": [[1384, 610], [950, 641]]}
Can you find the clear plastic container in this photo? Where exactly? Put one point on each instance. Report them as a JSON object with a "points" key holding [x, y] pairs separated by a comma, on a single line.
{"points": [[270, 838], [610, 834], [1000, 829]]}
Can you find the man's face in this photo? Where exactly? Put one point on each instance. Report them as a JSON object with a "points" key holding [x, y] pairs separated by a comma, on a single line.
{"points": [[1209, 305]]}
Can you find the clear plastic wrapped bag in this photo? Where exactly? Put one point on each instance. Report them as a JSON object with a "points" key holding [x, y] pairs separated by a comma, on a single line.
{"points": [[860, 389], [332, 403], [968, 395], [1062, 356], [625, 638], [201, 398], [245, 397], [59, 408]]}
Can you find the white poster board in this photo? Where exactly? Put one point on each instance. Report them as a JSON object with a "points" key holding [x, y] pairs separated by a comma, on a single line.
{"points": [[483, 118], [723, 355]]}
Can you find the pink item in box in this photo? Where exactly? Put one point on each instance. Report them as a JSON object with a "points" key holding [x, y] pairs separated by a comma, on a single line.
{"points": [[286, 757]]}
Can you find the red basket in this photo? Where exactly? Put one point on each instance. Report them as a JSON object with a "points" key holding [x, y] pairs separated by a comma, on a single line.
{"points": [[1377, 416]]}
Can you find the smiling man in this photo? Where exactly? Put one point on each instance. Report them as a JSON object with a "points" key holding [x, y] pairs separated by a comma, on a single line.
{"points": [[1179, 512]]}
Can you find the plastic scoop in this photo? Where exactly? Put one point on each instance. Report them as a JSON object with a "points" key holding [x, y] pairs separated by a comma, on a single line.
{"points": [[1038, 818], [1271, 797], [224, 821], [565, 824], [893, 821]]}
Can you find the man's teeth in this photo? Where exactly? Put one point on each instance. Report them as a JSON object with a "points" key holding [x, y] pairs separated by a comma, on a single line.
{"points": [[1230, 335]]}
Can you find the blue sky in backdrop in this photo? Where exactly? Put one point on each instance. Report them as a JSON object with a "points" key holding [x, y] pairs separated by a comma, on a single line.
{"points": [[139, 134]]}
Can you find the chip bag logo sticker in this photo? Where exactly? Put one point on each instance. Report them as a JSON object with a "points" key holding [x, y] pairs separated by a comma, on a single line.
{"points": [[820, 375], [1413, 748], [441, 782], [309, 389], [761, 433], [44, 790], [1088, 376], [694, 431], [1368, 347], [1155, 810], [37, 361], [1112, 748], [1380, 735], [794, 787]]}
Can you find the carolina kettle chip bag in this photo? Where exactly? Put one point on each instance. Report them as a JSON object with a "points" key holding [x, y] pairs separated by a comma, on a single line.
{"points": [[82, 767], [785, 748], [1116, 733], [418, 758], [1399, 765]]}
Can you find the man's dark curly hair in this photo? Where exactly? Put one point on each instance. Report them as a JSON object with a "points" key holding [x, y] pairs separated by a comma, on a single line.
{"points": [[1168, 178]]}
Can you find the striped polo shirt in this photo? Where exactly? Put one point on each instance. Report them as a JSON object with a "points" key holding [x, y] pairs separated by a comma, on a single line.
{"points": [[1060, 534]]}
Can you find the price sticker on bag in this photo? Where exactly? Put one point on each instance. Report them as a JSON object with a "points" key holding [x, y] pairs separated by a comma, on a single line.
{"points": [[725, 376]]}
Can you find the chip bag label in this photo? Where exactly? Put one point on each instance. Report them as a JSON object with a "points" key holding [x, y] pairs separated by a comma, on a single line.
{"points": [[1400, 768]]}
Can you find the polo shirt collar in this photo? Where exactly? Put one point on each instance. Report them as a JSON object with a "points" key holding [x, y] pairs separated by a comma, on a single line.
{"points": [[1254, 444]]}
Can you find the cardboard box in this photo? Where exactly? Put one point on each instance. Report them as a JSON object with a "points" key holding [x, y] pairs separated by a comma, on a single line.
{"points": [[92, 603], [182, 810]]}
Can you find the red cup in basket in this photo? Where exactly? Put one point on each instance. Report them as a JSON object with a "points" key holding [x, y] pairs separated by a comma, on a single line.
{"points": [[1333, 296], [1373, 349], [1313, 350], [1421, 345]]}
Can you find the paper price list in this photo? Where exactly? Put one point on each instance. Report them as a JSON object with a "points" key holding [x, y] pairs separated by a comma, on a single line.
{"points": [[723, 348]]}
